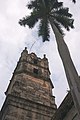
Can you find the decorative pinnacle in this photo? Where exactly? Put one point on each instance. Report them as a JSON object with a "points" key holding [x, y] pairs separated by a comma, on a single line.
{"points": [[25, 48], [44, 55]]}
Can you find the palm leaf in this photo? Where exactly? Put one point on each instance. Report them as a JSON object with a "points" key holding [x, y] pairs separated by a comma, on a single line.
{"points": [[44, 30], [65, 22], [30, 20], [32, 4], [63, 12], [57, 4]]}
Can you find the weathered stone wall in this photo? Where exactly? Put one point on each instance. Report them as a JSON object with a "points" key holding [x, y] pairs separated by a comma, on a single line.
{"points": [[31, 88], [21, 109]]}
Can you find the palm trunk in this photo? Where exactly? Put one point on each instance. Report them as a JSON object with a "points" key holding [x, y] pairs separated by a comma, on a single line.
{"points": [[71, 73]]}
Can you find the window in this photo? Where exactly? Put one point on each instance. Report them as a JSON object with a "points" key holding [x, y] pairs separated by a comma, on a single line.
{"points": [[35, 61], [35, 71]]}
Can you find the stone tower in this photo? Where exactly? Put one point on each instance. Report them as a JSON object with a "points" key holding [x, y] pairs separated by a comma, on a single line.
{"points": [[29, 94]]}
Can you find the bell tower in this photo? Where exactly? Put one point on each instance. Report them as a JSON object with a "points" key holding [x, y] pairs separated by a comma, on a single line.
{"points": [[29, 94]]}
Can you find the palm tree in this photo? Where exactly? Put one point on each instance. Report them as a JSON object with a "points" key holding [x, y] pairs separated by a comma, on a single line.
{"points": [[52, 12]]}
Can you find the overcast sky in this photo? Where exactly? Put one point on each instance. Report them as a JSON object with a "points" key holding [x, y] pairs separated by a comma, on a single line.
{"points": [[13, 39]]}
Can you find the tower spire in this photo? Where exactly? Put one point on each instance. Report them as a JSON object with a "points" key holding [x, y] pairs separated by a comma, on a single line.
{"points": [[27, 97]]}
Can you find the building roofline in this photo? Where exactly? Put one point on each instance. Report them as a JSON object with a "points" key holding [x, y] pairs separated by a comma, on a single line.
{"points": [[63, 109]]}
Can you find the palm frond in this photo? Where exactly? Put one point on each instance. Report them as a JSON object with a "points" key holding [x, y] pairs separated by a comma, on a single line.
{"points": [[44, 30], [36, 4], [66, 22], [56, 5], [63, 12], [30, 20], [32, 4]]}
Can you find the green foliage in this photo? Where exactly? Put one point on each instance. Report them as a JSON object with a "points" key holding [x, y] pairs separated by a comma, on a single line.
{"points": [[44, 30], [30, 20], [42, 11]]}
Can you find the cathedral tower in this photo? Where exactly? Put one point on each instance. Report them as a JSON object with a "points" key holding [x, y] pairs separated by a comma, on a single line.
{"points": [[29, 94]]}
